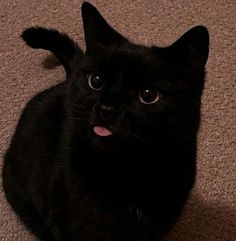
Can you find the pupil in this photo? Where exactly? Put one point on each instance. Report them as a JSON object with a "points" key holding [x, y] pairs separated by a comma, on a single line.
{"points": [[149, 95], [97, 83]]}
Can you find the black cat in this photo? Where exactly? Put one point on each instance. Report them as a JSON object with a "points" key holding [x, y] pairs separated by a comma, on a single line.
{"points": [[109, 154]]}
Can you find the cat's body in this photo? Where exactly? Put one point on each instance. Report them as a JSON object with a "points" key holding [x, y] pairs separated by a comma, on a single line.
{"points": [[114, 159]]}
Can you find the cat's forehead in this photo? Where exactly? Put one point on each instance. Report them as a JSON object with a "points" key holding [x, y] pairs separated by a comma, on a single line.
{"points": [[129, 66], [133, 59]]}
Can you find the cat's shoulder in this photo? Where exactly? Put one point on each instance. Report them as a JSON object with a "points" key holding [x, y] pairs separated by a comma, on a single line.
{"points": [[42, 115], [45, 99], [43, 102]]}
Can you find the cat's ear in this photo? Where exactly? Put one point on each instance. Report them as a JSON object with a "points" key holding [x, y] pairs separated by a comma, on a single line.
{"points": [[97, 31], [60, 44], [192, 47]]}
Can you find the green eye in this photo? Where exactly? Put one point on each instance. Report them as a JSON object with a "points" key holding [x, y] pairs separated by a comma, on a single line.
{"points": [[149, 96], [95, 82]]}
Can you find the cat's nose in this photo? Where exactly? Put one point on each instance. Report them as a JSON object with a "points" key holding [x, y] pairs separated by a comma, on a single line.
{"points": [[106, 112]]}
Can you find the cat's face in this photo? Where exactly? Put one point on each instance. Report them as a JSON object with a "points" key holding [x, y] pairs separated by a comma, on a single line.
{"points": [[122, 90], [119, 93], [119, 90]]}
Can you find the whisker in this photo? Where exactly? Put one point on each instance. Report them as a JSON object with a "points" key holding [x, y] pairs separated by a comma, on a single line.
{"points": [[78, 110], [79, 105], [76, 118], [139, 138]]}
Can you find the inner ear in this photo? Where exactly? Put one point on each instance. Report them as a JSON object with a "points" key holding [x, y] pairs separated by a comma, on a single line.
{"points": [[97, 30]]}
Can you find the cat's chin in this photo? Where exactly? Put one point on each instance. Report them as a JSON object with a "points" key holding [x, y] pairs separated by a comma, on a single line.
{"points": [[104, 138], [103, 143]]}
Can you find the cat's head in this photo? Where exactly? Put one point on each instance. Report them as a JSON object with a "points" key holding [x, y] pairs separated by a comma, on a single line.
{"points": [[123, 90]]}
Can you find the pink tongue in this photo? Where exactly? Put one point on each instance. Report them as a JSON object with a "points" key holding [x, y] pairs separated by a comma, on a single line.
{"points": [[102, 131]]}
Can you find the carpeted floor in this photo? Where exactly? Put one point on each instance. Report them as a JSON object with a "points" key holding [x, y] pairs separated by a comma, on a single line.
{"points": [[210, 214]]}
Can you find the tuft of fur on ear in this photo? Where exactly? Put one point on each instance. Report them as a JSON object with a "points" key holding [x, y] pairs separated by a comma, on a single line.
{"points": [[97, 31], [60, 44]]}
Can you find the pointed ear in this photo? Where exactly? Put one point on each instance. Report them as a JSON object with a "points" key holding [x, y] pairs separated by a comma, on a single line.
{"points": [[60, 44], [96, 30], [192, 47]]}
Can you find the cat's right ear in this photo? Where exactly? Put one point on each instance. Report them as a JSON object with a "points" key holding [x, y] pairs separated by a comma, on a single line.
{"points": [[192, 47], [60, 44], [97, 31]]}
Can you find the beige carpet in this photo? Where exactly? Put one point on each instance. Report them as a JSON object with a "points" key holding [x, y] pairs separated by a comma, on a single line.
{"points": [[211, 211]]}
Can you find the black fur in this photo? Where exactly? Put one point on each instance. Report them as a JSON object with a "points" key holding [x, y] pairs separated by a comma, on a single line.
{"points": [[67, 183]]}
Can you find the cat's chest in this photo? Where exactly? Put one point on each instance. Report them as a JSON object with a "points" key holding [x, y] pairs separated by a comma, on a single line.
{"points": [[98, 219], [116, 166]]}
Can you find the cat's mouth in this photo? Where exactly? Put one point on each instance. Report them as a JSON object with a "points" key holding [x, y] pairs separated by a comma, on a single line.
{"points": [[102, 131]]}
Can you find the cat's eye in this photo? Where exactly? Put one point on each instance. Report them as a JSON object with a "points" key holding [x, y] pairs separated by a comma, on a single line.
{"points": [[95, 82], [149, 96]]}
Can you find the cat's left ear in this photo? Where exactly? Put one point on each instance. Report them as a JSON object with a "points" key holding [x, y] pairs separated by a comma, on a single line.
{"points": [[192, 47], [97, 31]]}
